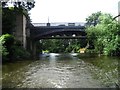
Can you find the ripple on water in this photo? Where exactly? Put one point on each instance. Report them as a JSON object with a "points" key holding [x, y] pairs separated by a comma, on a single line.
{"points": [[55, 72]]}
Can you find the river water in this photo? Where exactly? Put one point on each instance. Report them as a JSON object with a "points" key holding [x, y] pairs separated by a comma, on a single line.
{"points": [[57, 70]]}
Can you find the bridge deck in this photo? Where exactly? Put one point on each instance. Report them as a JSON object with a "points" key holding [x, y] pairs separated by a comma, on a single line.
{"points": [[46, 32], [60, 24]]}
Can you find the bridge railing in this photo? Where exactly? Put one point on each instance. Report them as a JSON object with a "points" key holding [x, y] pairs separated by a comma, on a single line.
{"points": [[60, 24]]}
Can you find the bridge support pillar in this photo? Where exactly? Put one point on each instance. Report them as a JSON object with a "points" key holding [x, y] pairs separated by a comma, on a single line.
{"points": [[20, 29], [33, 49]]}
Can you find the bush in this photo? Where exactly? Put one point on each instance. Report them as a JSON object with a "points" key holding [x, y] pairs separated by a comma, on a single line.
{"points": [[20, 53], [3, 50], [11, 49], [6, 42]]}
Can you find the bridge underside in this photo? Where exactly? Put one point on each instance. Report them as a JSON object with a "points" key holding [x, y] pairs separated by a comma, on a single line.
{"points": [[59, 33], [64, 37]]}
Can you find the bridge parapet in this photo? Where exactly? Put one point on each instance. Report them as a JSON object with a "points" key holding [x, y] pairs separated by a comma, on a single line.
{"points": [[59, 24]]}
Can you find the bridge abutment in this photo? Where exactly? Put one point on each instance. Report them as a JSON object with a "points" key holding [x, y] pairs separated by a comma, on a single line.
{"points": [[34, 49], [22, 33], [20, 29]]}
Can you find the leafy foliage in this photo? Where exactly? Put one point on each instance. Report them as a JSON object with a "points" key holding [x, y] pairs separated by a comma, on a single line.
{"points": [[23, 4], [3, 50], [62, 45], [93, 19], [11, 49], [8, 22], [6, 45], [9, 14], [20, 53], [105, 35]]}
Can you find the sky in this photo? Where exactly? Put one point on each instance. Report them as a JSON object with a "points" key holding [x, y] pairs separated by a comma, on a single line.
{"points": [[70, 10]]}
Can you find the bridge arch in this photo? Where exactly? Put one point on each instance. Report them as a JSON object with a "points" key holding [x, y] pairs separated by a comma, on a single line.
{"points": [[46, 32], [61, 33]]}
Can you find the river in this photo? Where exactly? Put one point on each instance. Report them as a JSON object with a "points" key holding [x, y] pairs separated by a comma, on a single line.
{"points": [[61, 70]]}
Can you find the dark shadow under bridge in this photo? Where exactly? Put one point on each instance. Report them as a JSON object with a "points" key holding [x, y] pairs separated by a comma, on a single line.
{"points": [[56, 31]]}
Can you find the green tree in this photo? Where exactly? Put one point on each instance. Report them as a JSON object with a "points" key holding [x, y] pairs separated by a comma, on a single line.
{"points": [[8, 22], [93, 19], [9, 14], [62, 45], [105, 35], [22, 5]]}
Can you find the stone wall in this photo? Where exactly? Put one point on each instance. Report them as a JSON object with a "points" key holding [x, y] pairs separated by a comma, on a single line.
{"points": [[20, 30], [24, 31]]}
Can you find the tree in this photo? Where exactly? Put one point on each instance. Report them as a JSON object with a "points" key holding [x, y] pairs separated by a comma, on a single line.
{"points": [[106, 35], [9, 14], [62, 45], [21, 5], [8, 22], [116, 17], [93, 19]]}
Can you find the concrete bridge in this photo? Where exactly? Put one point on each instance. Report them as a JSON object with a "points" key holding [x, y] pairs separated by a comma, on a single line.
{"points": [[30, 33], [55, 31]]}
